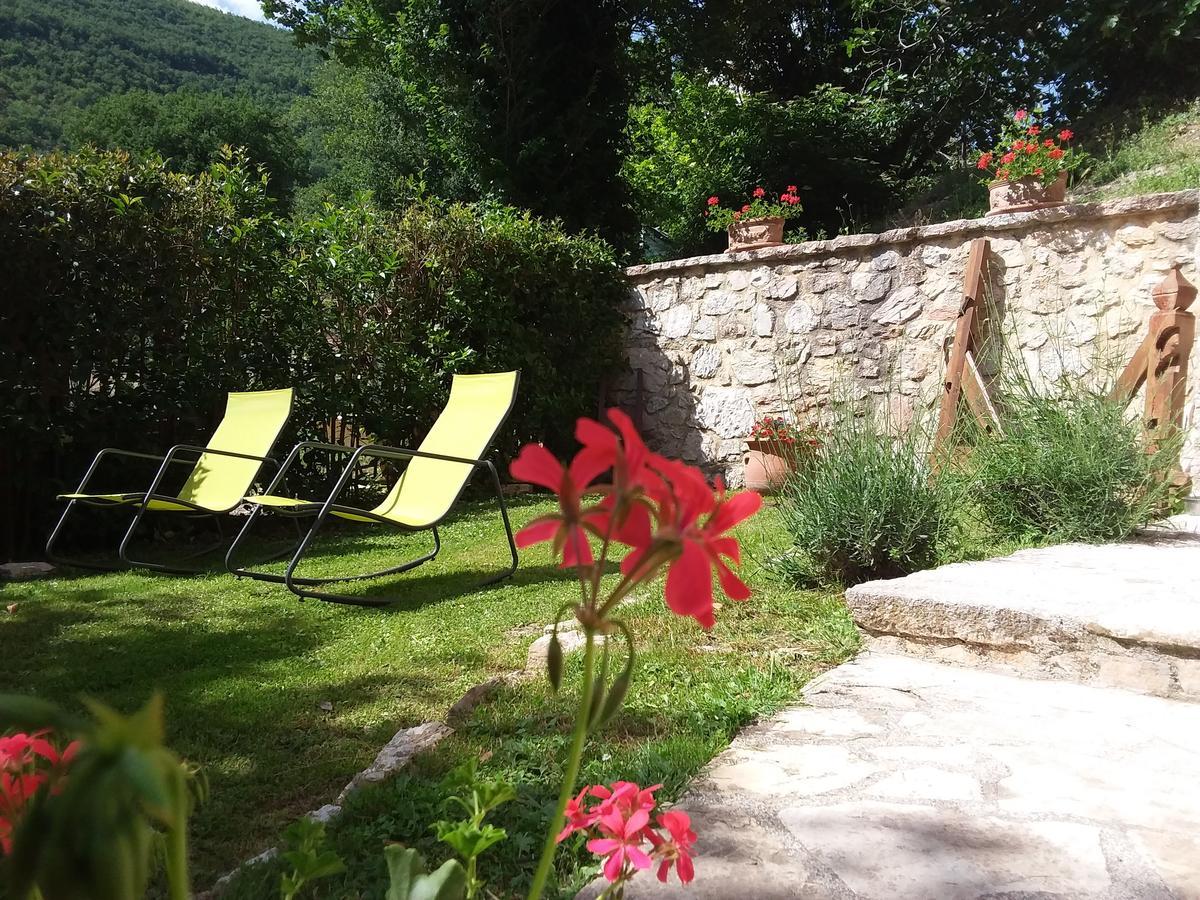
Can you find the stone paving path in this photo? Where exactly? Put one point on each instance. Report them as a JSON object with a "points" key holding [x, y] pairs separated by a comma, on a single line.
{"points": [[906, 778]]}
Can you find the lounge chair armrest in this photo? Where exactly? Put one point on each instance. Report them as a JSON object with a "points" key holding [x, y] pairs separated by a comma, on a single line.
{"points": [[192, 448], [381, 450]]}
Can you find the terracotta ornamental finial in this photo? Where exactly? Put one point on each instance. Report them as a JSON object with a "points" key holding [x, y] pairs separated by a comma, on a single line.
{"points": [[1174, 291]]}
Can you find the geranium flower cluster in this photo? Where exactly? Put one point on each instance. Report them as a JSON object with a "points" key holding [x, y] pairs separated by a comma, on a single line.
{"points": [[760, 206], [1029, 148], [616, 491], [27, 761], [617, 820], [662, 509]]}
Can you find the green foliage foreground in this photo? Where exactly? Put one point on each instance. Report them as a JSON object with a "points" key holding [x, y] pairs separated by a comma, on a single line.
{"points": [[135, 297]]}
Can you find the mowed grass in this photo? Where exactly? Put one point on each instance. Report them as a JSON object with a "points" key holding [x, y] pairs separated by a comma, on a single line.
{"points": [[282, 702]]}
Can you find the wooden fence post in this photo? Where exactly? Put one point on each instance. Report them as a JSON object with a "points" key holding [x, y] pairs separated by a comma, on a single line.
{"points": [[1161, 361], [962, 374]]}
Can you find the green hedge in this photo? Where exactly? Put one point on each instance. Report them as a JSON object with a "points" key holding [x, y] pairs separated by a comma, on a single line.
{"points": [[135, 297]]}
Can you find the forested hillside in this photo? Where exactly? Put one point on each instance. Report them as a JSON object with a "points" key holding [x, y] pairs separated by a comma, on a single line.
{"points": [[56, 57]]}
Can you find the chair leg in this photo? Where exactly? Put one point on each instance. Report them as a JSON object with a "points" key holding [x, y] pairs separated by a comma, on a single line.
{"points": [[53, 556], [245, 571], [301, 587], [159, 567]]}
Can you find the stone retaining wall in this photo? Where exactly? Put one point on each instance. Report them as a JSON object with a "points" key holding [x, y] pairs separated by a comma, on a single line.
{"points": [[721, 340]]}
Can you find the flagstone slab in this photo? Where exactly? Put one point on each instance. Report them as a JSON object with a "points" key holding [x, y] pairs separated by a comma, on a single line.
{"points": [[905, 779], [1120, 615]]}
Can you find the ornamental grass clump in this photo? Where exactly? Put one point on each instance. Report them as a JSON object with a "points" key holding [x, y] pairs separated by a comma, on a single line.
{"points": [[1071, 465], [867, 505]]}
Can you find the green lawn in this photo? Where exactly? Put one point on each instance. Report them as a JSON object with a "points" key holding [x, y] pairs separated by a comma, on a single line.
{"points": [[248, 671]]}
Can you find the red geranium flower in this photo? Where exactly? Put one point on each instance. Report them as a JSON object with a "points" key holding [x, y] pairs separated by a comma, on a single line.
{"points": [[791, 188], [1007, 158], [736, 216], [692, 523], [1021, 115], [1056, 153], [1048, 142], [1018, 144], [537, 465], [713, 201], [984, 161], [1033, 131], [759, 192], [677, 851], [746, 208], [1066, 134]]}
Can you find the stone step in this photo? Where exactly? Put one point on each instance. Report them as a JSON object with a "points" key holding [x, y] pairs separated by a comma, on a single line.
{"points": [[904, 779], [1119, 615]]}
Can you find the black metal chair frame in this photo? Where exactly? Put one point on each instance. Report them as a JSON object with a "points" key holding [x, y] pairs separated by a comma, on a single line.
{"points": [[302, 586], [142, 507]]}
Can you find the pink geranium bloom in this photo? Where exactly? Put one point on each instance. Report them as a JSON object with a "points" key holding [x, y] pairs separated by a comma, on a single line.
{"points": [[623, 844], [677, 851], [578, 818], [538, 465], [696, 521]]}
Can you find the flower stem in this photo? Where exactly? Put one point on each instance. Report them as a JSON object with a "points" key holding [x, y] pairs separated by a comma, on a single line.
{"points": [[571, 773]]}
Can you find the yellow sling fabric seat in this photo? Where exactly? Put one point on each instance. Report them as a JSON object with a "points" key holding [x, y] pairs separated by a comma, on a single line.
{"points": [[222, 471]]}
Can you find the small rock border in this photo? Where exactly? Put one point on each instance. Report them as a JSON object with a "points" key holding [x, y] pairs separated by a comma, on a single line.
{"points": [[408, 742]]}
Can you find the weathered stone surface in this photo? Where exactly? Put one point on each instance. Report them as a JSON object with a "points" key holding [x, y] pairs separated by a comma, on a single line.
{"points": [[726, 411], [706, 362], [901, 307], [800, 318], [397, 753], [1122, 615], [903, 779], [870, 287], [23, 571]]}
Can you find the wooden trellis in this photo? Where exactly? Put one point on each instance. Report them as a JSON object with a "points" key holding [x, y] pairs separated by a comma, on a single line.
{"points": [[962, 373]]}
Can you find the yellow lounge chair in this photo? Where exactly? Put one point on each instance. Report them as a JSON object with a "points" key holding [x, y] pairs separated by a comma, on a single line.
{"points": [[222, 473], [436, 474]]}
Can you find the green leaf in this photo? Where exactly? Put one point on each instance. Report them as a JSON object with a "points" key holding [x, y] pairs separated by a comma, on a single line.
{"points": [[407, 879]]}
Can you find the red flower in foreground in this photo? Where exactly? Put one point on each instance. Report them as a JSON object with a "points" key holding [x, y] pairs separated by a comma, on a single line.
{"points": [[1033, 131], [759, 192], [791, 189], [1056, 153], [1066, 134], [537, 465], [27, 761], [677, 851], [692, 526], [746, 208], [713, 201], [1008, 158], [984, 161], [623, 842], [1021, 115]]}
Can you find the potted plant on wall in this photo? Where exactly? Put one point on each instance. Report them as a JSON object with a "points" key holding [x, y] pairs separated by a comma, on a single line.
{"points": [[773, 450], [757, 223], [1028, 168]]}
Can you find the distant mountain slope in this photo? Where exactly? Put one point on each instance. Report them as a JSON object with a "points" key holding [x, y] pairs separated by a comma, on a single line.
{"points": [[59, 55]]}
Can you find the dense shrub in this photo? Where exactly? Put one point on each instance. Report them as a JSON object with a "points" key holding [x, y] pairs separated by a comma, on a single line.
{"points": [[1071, 466], [866, 505], [135, 297]]}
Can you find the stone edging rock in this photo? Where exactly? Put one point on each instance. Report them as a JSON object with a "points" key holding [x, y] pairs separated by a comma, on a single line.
{"points": [[408, 742], [1125, 206]]}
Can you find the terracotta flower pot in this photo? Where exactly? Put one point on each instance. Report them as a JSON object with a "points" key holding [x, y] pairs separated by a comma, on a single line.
{"points": [[766, 468], [751, 234], [1025, 194]]}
